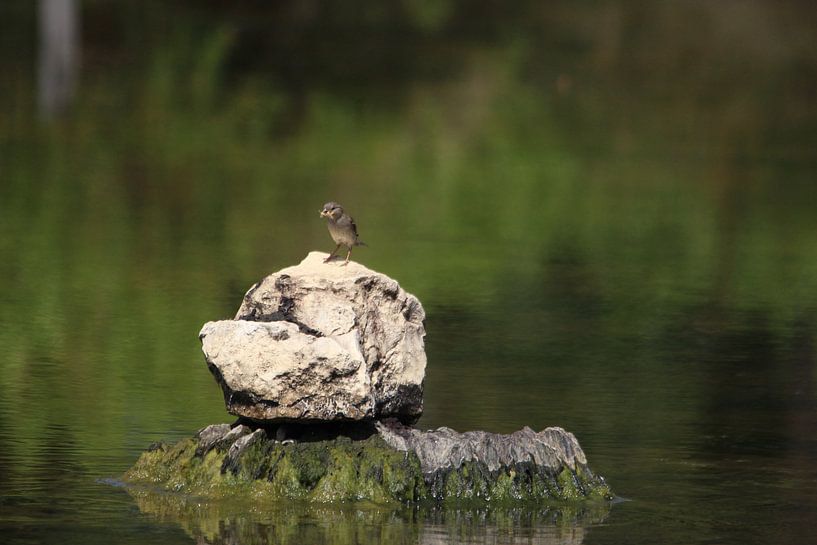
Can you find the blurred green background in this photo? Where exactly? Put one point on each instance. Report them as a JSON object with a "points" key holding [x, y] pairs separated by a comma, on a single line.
{"points": [[607, 208]]}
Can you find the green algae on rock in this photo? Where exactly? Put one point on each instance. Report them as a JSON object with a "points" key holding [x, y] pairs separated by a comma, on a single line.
{"points": [[339, 469], [223, 462]]}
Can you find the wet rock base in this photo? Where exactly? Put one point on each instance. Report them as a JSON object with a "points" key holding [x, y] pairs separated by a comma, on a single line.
{"points": [[370, 463]]}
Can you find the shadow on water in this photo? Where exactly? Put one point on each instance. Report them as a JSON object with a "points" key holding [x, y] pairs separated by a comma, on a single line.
{"points": [[295, 523]]}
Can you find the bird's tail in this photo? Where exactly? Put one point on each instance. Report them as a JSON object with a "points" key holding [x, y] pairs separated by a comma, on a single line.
{"points": [[360, 243]]}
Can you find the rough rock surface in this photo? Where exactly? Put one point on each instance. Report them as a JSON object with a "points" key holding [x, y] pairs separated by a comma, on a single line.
{"points": [[444, 448], [383, 463], [476, 464], [321, 342]]}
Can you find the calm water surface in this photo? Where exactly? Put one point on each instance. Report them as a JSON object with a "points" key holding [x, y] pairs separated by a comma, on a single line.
{"points": [[608, 211]]}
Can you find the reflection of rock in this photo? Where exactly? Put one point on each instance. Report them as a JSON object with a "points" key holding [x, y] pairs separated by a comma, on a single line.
{"points": [[385, 463], [223, 523], [321, 342], [524, 525]]}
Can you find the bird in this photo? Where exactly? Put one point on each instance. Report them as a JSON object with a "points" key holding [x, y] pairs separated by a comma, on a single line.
{"points": [[342, 228]]}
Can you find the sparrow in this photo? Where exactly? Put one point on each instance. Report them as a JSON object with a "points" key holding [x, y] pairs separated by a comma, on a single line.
{"points": [[342, 228]]}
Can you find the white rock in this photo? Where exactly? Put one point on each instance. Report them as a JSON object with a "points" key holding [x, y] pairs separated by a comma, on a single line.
{"points": [[321, 342]]}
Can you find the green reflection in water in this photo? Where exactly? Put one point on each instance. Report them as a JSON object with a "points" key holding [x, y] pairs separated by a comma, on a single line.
{"points": [[609, 218], [248, 523]]}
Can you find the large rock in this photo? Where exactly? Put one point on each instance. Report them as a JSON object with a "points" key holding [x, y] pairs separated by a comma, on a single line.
{"points": [[383, 463], [321, 342]]}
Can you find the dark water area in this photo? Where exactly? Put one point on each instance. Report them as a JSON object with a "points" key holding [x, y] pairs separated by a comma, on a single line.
{"points": [[608, 210]]}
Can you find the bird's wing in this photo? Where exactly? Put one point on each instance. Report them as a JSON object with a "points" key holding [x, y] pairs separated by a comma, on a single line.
{"points": [[351, 222], [346, 220], [358, 242]]}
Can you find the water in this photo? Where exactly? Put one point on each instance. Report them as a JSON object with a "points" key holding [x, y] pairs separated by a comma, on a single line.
{"points": [[606, 209]]}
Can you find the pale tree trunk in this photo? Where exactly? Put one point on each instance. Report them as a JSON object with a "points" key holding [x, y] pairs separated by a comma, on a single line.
{"points": [[59, 55]]}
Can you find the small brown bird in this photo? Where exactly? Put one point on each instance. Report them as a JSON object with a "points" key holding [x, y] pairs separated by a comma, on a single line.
{"points": [[342, 228]]}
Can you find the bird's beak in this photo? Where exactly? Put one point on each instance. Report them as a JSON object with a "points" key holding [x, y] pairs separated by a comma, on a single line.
{"points": [[323, 213]]}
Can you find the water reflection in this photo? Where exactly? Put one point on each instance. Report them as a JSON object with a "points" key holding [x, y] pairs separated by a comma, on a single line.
{"points": [[607, 208], [216, 523]]}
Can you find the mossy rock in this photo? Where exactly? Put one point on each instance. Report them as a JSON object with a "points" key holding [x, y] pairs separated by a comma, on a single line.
{"points": [[342, 469]]}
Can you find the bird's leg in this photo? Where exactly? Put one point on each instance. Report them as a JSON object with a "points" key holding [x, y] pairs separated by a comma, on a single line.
{"points": [[347, 256], [328, 259]]}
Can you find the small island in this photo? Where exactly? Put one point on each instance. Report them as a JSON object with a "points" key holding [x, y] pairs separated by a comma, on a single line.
{"points": [[323, 366]]}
